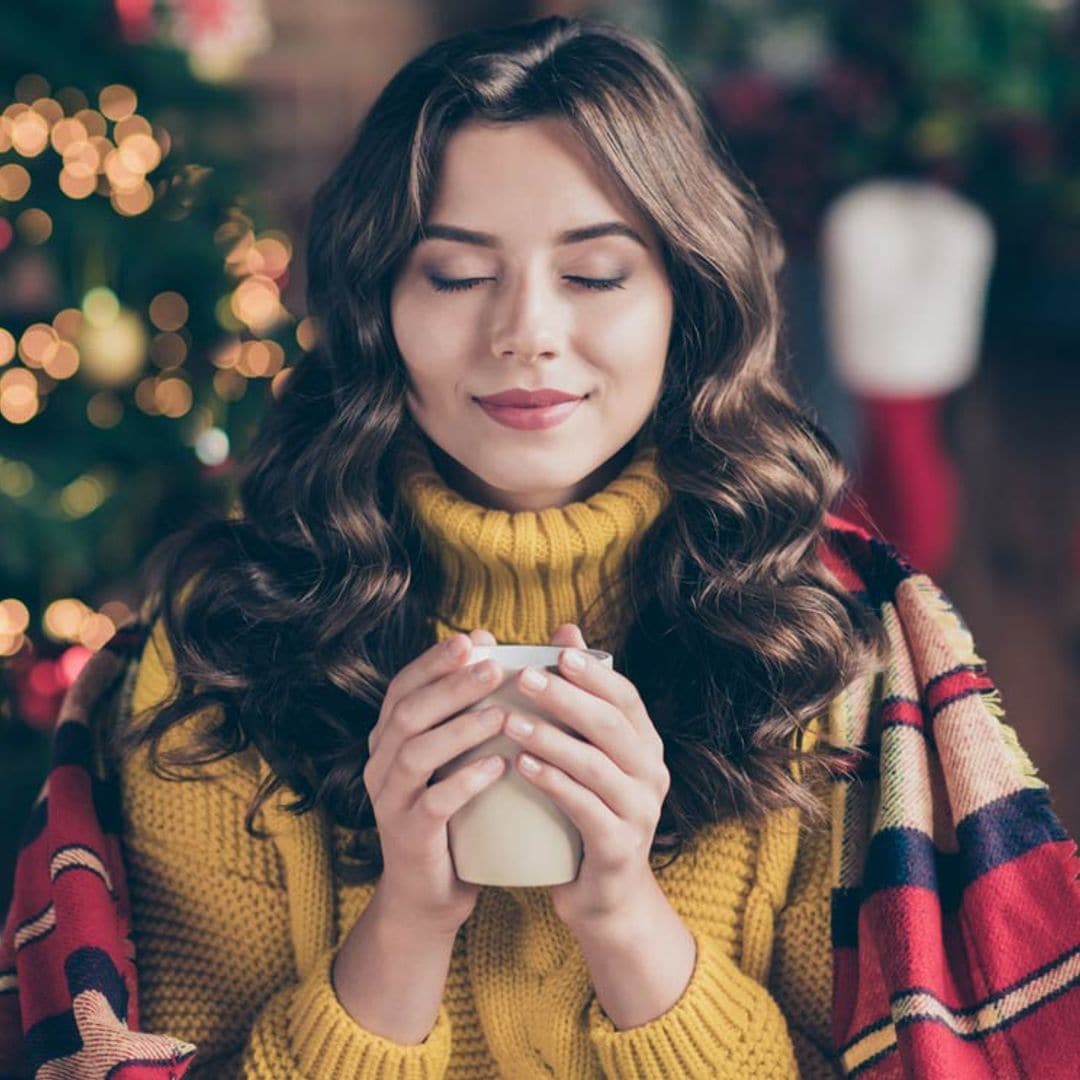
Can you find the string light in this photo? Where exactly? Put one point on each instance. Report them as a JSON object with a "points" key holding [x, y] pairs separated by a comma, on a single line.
{"points": [[16, 478], [14, 182]]}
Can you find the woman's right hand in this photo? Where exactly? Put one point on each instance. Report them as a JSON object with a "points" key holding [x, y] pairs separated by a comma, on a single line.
{"points": [[408, 743]]}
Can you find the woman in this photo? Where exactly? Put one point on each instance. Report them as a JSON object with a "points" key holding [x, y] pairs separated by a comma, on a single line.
{"points": [[537, 207]]}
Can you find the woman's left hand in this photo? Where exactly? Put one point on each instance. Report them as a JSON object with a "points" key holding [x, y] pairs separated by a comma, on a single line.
{"points": [[611, 785]]}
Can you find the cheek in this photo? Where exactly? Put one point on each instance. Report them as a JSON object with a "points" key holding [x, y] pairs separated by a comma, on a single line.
{"points": [[633, 340], [430, 342]]}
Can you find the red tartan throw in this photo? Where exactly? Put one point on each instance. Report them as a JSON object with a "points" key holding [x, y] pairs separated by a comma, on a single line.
{"points": [[956, 909], [68, 993], [956, 906]]}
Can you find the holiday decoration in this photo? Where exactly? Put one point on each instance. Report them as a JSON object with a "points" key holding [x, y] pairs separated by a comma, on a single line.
{"points": [[142, 325]]}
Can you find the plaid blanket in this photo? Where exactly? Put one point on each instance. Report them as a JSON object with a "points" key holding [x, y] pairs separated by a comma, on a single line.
{"points": [[68, 992], [955, 905], [956, 909]]}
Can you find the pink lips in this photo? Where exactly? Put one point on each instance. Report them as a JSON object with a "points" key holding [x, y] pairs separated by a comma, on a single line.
{"points": [[530, 419]]}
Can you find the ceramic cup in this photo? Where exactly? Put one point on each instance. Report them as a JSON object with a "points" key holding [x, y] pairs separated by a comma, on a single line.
{"points": [[512, 833]]}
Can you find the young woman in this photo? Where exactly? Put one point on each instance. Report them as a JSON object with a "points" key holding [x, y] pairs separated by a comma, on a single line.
{"points": [[537, 208]]}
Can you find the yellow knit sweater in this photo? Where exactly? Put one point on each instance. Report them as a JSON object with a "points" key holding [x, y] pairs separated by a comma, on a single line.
{"points": [[235, 936]]}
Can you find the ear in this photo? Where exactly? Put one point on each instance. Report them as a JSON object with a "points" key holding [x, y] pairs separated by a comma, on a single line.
{"points": [[569, 636]]}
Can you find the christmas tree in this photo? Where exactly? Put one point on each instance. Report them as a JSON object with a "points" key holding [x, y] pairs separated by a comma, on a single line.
{"points": [[142, 326]]}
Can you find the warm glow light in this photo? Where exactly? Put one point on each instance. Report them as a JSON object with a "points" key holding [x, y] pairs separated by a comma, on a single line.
{"points": [[229, 386], [67, 131], [136, 201], [168, 310], [269, 255], [104, 410], [227, 355], [30, 133], [139, 153], [307, 333], [168, 350], [7, 346], [120, 176], [76, 187], [31, 86], [277, 384], [34, 225], [50, 111], [144, 396], [18, 396], [64, 618], [257, 302], [81, 159], [10, 644], [163, 139], [117, 101], [63, 363], [82, 496], [14, 616], [14, 182], [93, 121], [100, 306], [38, 344], [173, 397], [67, 323], [254, 359], [212, 445], [16, 478], [132, 125], [72, 98], [96, 630]]}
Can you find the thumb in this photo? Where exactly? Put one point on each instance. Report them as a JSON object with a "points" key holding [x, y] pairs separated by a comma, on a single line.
{"points": [[569, 636]]}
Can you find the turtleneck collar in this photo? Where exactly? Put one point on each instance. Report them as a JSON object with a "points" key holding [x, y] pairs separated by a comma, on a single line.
{"points": [[521, 573]]}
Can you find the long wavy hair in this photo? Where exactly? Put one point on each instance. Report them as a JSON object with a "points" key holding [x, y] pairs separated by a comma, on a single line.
{"points": [[288, 616]]}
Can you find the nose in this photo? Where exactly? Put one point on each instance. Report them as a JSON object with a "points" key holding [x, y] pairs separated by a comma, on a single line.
{"points": [[527, 320]]}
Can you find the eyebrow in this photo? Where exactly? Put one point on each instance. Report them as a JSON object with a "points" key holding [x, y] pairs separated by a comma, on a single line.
{"points": [[570, 236]]}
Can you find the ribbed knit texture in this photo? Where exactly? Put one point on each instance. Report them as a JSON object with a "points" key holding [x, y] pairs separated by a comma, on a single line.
{"points": [[235, 936]]}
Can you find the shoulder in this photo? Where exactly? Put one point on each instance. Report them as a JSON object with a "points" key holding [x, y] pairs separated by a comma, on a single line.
{"points": [[154, 686]]}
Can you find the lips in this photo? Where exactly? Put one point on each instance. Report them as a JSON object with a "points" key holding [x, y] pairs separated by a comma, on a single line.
{"points": [[535, 418], [529, 399]]}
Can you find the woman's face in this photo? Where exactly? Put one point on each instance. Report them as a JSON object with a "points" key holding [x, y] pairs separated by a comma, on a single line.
{"points": [[525, 320]]}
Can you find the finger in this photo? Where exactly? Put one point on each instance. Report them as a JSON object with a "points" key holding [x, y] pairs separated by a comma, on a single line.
{"points": [[397, 787], [452, 679], [603, 834], [568, 634], [607, 684], [482, 637], [592, 717], [582, 761]]}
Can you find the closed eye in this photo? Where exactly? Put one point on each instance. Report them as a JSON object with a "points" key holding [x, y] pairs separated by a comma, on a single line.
{"points": [[442, 284]]}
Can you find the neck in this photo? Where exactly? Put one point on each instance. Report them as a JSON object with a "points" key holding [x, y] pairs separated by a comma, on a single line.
{"points": [[522, 573]]}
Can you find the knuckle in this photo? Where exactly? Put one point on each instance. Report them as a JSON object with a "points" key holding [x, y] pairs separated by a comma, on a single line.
{"points": [[411, 758], [429, 806]]}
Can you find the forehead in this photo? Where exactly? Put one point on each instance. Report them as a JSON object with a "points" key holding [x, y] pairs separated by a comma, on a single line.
{"points": [[525, 180]]}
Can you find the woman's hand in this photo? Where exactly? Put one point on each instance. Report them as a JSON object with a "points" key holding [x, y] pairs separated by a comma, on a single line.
{"points": [[412, 739], [612, 786]]}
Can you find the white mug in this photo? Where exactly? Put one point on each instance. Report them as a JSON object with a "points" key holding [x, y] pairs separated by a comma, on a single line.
{"points": [[512, 834]]}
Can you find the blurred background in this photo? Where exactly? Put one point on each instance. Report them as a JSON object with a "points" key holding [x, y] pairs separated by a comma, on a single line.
{"points": [[157, 158]]}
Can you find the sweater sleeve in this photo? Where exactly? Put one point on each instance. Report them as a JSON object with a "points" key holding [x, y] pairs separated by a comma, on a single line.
{"points": [[729, 1025], [221, 938], [726, 1026]]}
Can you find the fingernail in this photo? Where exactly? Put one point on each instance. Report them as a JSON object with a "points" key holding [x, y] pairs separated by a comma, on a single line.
{"points": [[573, 659], [518, 725], [533, 679]]}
